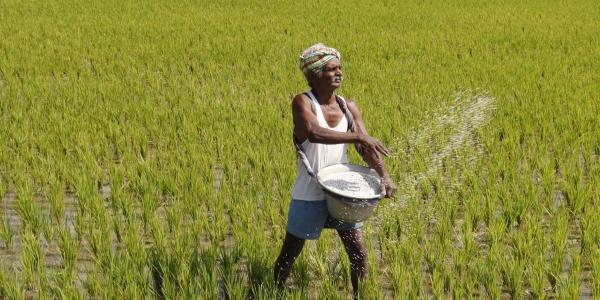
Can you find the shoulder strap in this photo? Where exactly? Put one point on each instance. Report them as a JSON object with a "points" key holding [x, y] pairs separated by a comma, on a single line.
{"points": [[350, 118], [299, 149], [344, 106], [303, 158], [310, 100]]}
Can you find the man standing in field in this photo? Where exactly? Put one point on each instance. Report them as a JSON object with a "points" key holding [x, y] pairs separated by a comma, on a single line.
{"points": [[321, 131]]}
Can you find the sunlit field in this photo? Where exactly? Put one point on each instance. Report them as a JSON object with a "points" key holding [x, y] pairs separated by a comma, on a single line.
{"points": [[146, 149]]}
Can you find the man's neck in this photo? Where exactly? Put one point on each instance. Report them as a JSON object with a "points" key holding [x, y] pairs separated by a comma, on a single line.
{"points": [[324, 97]]}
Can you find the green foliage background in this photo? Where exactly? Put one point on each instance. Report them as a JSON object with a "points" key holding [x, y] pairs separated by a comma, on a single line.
{"points": [[145, 142]]}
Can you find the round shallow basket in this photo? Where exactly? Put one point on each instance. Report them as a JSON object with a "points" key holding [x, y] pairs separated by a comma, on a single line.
{"points": [[346, 206]]}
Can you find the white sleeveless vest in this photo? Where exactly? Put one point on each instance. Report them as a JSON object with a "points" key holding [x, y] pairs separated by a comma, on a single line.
{"points": [[319, 156]]}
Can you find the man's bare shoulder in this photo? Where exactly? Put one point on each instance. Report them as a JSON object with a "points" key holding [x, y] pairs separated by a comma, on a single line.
{"points": [[300, 102], [352, 106], [300, 97], [351, 103]]}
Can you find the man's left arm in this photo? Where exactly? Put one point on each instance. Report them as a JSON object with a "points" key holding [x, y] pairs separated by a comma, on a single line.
{"points": [[373, 159]]}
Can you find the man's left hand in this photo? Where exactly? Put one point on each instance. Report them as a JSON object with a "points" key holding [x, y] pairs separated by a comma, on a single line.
{"points": [[389, 187]]}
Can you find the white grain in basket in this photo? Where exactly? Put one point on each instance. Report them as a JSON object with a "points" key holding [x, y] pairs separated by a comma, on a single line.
{"points": [[353, 184]]}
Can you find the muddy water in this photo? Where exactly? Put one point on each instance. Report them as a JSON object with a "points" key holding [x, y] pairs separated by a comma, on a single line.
{"points": [[10, 254]]}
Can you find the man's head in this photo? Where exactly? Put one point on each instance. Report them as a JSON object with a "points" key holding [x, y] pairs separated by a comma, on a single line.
{"points": [[321, 65]]}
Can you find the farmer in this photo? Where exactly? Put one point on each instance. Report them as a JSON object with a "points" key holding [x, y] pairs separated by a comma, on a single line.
{"points": [[321, 130]]}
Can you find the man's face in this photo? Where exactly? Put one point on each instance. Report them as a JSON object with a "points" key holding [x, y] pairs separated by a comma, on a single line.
{"points": [[331, 75]]}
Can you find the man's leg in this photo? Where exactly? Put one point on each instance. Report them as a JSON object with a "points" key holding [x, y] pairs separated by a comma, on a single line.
{"points": [[357, 252], [289, 252]]}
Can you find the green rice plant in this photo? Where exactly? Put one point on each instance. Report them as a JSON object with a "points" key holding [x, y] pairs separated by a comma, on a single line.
{"points": [[547, 182], [302, 273], [55, 197], [405, 270], [163, 270], [100, 233], [473, 212], [182, 273], [29, 212], [48, 230], [80, 225], [594, 258], [316, 257], [588, 225], [495, 231], [3, 182], [441, 282], [537, 279], [463, 261], [368, 289], [101, 249], [489, 209], [490, 274], [127, 208], [374, 248], [575, 190], [64, 287], [442, 233], [205, 265], [148, 204], [438, 269], [234, 287], [118, 227], [85, 190], [558, 246], [530, 246], [230, 276], [572, 282], [260, 277], [513, 271], [158, 101], [96, 285], [6, 232], [68, 251], [10, 285], [134, 259], [340, 266], [180, 270], [32, 261], [157, 265], [330, 290], [513, 208], [117, 186]]}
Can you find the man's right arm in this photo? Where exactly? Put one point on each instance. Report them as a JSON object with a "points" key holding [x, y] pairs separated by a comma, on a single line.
{"points": [[306, 126]]}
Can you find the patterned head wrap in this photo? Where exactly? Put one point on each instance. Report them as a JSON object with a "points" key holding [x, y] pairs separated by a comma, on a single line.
{"points": [[316, 56]]}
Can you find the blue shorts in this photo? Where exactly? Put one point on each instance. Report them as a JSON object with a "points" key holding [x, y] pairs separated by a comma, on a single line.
{"points": [[306, 219]]}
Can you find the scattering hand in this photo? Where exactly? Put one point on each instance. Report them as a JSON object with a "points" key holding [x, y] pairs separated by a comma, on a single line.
{"points": [[389, 188]]}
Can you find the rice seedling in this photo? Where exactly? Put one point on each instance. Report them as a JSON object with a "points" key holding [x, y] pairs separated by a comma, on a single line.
{"points": [[10, 285], [6, 232], [594, 258], [572, 288], [32, 262], [406, 273]]}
